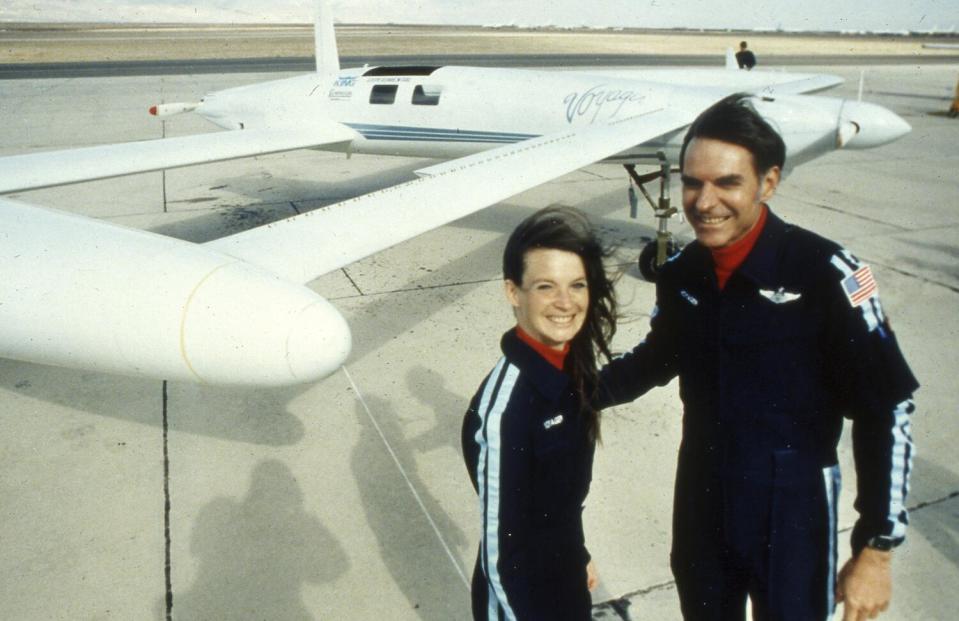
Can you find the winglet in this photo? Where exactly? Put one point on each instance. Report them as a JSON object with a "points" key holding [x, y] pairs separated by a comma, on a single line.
{"points": [[327, 58], [731, 62]]}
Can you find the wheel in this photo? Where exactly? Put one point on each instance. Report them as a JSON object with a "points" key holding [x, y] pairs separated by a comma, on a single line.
{"points": [[647, 259]]}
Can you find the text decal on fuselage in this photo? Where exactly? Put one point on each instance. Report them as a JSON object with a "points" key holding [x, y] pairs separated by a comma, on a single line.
{"points": [[590, 103]]}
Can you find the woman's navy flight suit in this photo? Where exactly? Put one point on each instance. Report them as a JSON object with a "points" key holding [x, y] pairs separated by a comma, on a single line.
{"points": [[767, 369], [530, 456]]}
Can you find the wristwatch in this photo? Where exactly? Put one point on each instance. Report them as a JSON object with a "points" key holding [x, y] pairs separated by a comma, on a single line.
{"points": [[883, 543]]}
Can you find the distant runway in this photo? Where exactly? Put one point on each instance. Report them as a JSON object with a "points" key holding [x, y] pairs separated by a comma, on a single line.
{"points": [[33, 71]]}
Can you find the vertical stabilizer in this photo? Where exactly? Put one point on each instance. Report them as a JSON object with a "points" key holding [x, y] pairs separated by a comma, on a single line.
{"points": [[731, 62], [327, 58]]}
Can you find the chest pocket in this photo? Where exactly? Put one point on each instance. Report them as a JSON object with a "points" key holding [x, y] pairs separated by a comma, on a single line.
{"points": [[758, 321], [773, 360]]}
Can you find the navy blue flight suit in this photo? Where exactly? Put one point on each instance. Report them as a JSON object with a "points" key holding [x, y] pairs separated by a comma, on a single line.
{"points": [[530, 457], [768, 367]]}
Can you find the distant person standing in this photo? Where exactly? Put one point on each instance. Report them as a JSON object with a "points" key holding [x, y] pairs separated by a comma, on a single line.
{"points": [[745, 57], [954, 108]]}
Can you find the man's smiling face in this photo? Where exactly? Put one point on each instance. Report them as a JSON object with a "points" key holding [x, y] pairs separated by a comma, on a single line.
{"points": [[722, 192]]}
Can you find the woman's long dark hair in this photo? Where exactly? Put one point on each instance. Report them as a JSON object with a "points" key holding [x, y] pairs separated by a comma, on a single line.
{"points": [[565, 228]]}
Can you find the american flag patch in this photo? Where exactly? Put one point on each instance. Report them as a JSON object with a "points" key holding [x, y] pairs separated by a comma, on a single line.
{"points": [[860, 286]]}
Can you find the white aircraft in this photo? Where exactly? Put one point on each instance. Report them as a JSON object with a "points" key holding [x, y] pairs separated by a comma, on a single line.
{"points": [[83, 293]]}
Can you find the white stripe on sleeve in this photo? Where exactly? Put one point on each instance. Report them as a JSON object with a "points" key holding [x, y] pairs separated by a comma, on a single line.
{"points": [[488, 475]]}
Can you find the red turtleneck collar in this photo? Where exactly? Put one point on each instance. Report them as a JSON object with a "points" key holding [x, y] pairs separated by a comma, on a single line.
{"points": [[556, 357], [728, 259]]}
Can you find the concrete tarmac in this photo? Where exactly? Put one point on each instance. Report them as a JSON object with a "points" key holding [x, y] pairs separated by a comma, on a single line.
{"points": [[347, 499]]}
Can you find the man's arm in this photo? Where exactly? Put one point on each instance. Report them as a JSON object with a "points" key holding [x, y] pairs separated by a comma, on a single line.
{"points": [[883, 453], [654, 362], [876, 385]]}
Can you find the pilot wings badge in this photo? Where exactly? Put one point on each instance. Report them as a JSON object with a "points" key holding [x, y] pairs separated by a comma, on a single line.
{"points": [[779, 296]]}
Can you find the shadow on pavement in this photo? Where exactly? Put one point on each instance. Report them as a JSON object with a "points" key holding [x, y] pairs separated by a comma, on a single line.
{"points": [[255, 554], [408, 545]]}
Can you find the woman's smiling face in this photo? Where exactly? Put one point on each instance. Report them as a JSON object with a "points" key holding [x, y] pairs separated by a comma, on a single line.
{"points": [[552, 301]]}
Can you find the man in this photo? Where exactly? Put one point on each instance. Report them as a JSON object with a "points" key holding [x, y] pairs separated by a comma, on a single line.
{"points": [[954, 108], [745, 57], [776, 334]]}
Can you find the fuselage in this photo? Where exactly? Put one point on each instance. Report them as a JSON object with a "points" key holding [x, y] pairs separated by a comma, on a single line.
{"points": [[449, 112]]}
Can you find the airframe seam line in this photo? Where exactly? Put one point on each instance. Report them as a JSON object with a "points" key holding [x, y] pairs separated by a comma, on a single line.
{"points": [[406, 478]]}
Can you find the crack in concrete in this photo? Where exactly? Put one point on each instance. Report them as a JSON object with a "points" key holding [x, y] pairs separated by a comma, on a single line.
{"points": [[916, 276], [620, 605], [411, 289], [851, 214], [461, 283], [167, 536], [359, 291], [930, 503]]}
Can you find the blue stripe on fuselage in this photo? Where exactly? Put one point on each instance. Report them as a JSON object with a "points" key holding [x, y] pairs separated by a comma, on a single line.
{"points": [[432, 134]]}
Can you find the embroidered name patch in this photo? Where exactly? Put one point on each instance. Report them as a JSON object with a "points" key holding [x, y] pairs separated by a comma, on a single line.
{"points": [[860, 286], [553, 421], [689, 298]]}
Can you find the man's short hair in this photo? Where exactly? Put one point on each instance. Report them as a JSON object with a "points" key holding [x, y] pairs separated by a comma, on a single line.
{"points": [[734, 120]]}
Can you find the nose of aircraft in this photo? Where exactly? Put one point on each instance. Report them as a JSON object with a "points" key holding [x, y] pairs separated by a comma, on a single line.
{"points": [[864, 125], [319, 341], [243, 326]]}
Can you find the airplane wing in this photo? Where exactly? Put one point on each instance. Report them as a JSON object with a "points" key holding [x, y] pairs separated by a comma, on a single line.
{"points": [[801, 86], [306, 246], [51, 168], [758, 82]]}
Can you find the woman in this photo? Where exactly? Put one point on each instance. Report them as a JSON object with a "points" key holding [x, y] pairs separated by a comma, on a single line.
{"points": [[529, 433]]}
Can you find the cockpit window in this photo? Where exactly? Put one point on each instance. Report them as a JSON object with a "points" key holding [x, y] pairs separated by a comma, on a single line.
{"points": [[421, 98], [383, 94]]}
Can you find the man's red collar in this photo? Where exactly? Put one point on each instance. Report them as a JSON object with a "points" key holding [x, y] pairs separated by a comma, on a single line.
{"points": [[728, 259]]}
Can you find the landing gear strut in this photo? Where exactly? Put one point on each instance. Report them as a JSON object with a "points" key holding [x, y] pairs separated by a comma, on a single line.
{"points": [[655, 253]]}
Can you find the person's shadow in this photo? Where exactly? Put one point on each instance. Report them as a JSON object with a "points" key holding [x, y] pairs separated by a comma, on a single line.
{"points": [[429, 388], [256, 553], [409, 546]]}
